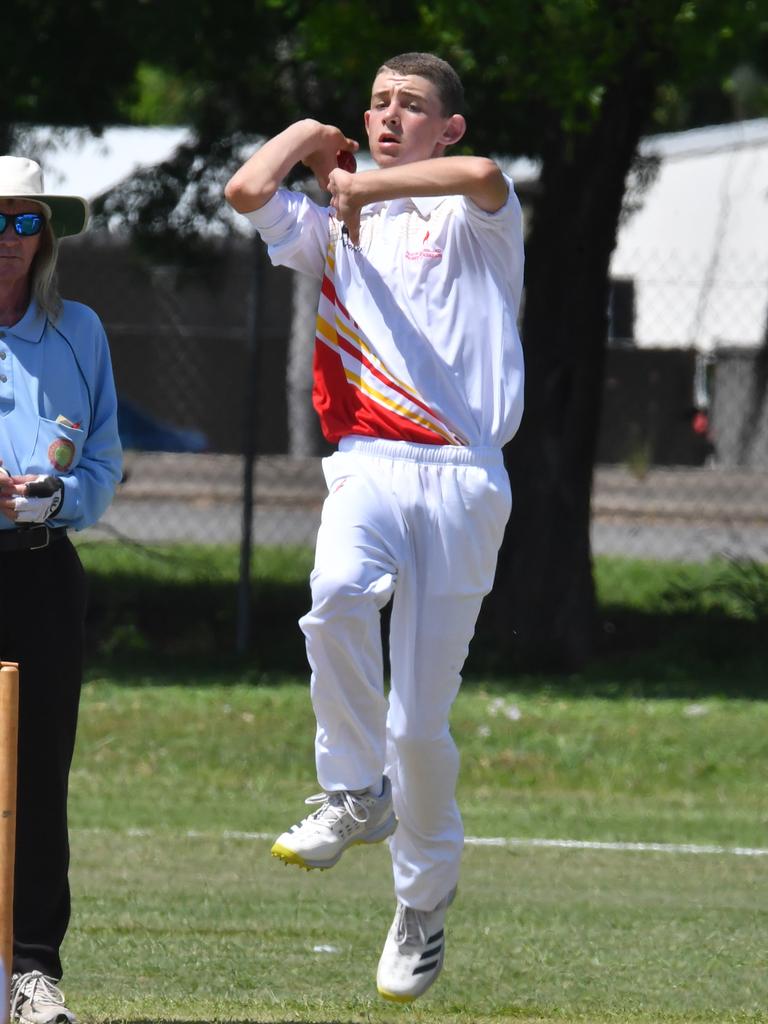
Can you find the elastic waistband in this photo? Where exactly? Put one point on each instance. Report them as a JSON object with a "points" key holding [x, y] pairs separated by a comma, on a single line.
{"points": [[443, 454]]}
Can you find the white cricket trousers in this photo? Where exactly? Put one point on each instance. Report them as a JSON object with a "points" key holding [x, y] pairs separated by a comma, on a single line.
{"points": [[421, 524]]}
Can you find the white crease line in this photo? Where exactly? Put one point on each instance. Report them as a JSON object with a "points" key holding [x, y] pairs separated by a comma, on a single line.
{"points": [[559, 844], [586, 844]]}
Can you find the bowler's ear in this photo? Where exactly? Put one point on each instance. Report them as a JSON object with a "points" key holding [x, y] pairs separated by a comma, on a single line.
{"points": [[454, 130]]}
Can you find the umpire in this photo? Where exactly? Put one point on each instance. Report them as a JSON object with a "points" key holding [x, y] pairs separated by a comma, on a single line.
{"points": [[61, 461]]}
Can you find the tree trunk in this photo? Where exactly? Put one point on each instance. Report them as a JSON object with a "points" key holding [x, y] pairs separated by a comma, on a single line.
{"points": [[304, 436], [542, 610]]}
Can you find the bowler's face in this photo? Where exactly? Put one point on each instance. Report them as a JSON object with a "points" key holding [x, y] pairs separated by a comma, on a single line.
{"points": [[406, 121]]}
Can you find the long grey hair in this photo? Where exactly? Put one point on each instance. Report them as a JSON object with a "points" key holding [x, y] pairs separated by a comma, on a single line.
{"points": [[45, 287]]}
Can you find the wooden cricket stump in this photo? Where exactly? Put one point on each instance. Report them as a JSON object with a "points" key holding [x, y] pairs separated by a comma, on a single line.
{"points": [[9, 746]]}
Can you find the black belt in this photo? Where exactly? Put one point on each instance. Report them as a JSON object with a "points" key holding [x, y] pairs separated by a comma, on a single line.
{"points": [[30, 538]]}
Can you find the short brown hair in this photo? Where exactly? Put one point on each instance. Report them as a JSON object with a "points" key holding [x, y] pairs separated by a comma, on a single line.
{"points": [[437, 71]]}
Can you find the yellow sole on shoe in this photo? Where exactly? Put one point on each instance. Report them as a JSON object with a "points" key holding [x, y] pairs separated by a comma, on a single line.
{"points": [[393, 998], [289, 857]]}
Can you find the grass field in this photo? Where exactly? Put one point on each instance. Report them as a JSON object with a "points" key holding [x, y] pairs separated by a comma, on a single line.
{"points": [[190, 760], [181, 915], [664, 630]]}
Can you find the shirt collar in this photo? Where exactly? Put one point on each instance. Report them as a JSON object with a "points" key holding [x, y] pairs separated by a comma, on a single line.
{"points": [[423, 204], [31, 327], [426, 204]]}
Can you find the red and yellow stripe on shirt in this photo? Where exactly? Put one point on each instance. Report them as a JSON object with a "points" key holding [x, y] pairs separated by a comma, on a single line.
{"points": [[353, 391]]}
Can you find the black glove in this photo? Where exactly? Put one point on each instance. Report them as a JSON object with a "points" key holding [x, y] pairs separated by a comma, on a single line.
{"points": [[42, 500]]}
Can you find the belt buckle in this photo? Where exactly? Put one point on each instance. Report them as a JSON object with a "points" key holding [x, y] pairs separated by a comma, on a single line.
{"points": [[40, 547]]}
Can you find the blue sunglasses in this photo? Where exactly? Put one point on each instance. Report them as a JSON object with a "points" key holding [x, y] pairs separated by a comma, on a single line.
{"points": [[24, 224]]}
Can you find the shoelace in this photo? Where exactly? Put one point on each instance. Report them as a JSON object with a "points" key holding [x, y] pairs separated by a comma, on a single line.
{"points": [[335, 805], [411, 925], [410, 928], [35, 987]]}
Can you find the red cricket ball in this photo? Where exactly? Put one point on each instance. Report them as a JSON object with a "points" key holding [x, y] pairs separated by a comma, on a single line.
{"points": [[346, 161]]}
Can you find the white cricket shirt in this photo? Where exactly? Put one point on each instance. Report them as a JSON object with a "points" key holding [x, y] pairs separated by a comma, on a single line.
{"points": [[417, 334]]}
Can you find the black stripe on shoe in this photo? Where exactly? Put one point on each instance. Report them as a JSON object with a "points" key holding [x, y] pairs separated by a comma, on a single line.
{"points": [[435, 937], [423, 968], [431, 952]]}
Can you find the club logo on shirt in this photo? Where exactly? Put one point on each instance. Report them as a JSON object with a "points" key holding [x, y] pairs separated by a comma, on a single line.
{"points": [[424, 253], [61, 453]]}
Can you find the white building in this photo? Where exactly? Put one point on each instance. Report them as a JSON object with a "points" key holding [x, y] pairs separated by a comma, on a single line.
{"points": [[697, 250]]}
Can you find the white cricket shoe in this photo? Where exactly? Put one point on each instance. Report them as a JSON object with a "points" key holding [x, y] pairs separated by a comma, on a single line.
{"points": [[414, 951], [342, 820], [36, 999]]}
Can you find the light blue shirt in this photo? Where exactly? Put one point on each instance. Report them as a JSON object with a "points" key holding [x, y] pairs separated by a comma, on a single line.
{"points": [[61, 371]]}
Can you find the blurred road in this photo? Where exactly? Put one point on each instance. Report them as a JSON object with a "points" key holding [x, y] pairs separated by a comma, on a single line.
{"points": [[686, 514]]}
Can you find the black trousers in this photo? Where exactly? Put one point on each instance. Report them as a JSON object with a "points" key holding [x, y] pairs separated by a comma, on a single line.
{"points": [[42, 613]]}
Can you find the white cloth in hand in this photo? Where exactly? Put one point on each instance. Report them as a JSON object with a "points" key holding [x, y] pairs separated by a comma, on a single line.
{"points": [[47, 493]]}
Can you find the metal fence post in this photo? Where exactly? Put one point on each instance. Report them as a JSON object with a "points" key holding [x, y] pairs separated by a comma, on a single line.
{"points": [[250, 418]]}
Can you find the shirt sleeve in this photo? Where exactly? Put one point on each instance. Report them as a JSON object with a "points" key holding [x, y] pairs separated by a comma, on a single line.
{"points": [[90, 486], [501, 234], [508, 216], [296, 231]]}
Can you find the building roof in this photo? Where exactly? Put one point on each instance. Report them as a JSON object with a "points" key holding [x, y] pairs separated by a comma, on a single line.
{"points": [[696, 248], [75, 162]]}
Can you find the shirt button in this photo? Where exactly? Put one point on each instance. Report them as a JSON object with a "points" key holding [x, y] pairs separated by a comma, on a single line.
{"points": [[3, 378], [2, 355]]}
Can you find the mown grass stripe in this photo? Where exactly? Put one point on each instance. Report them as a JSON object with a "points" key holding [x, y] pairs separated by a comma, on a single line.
{"points": [[560, 844]]}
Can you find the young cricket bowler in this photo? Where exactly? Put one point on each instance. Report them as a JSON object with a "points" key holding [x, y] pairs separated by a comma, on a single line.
{"points": [[418, 377]]}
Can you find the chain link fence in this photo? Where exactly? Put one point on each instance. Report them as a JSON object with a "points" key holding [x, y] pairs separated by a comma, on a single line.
{"points": [[689, 298], [215, 356], [683, 457]]}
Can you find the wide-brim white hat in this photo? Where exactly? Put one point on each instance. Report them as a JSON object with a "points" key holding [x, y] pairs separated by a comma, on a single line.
{"points": [[21, 178]]}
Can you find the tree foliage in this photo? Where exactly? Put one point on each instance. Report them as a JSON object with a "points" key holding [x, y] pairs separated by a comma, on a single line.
{"points": [[530, 68], [67, 63], [535, 71], [573, 83]]}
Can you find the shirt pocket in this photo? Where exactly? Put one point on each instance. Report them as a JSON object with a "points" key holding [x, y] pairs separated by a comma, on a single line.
{"points": [[57, 448]]}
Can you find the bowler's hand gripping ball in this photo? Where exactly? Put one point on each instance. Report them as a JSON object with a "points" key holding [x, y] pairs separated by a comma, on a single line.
{"points": [[346, 161]]}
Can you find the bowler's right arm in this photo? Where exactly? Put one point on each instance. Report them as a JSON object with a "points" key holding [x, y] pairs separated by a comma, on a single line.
{"points": [[306, 141]]}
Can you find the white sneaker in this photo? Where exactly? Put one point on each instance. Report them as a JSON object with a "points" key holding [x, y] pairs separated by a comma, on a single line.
{"points": [[342, 820], [35, 999], [414, 951]]}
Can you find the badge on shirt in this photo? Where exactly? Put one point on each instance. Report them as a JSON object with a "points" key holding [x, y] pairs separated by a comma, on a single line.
{"points": [[425, 252], [61, 453]]}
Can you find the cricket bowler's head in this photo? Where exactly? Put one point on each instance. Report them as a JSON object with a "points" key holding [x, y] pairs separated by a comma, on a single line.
{"points": [[416, 112]]}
